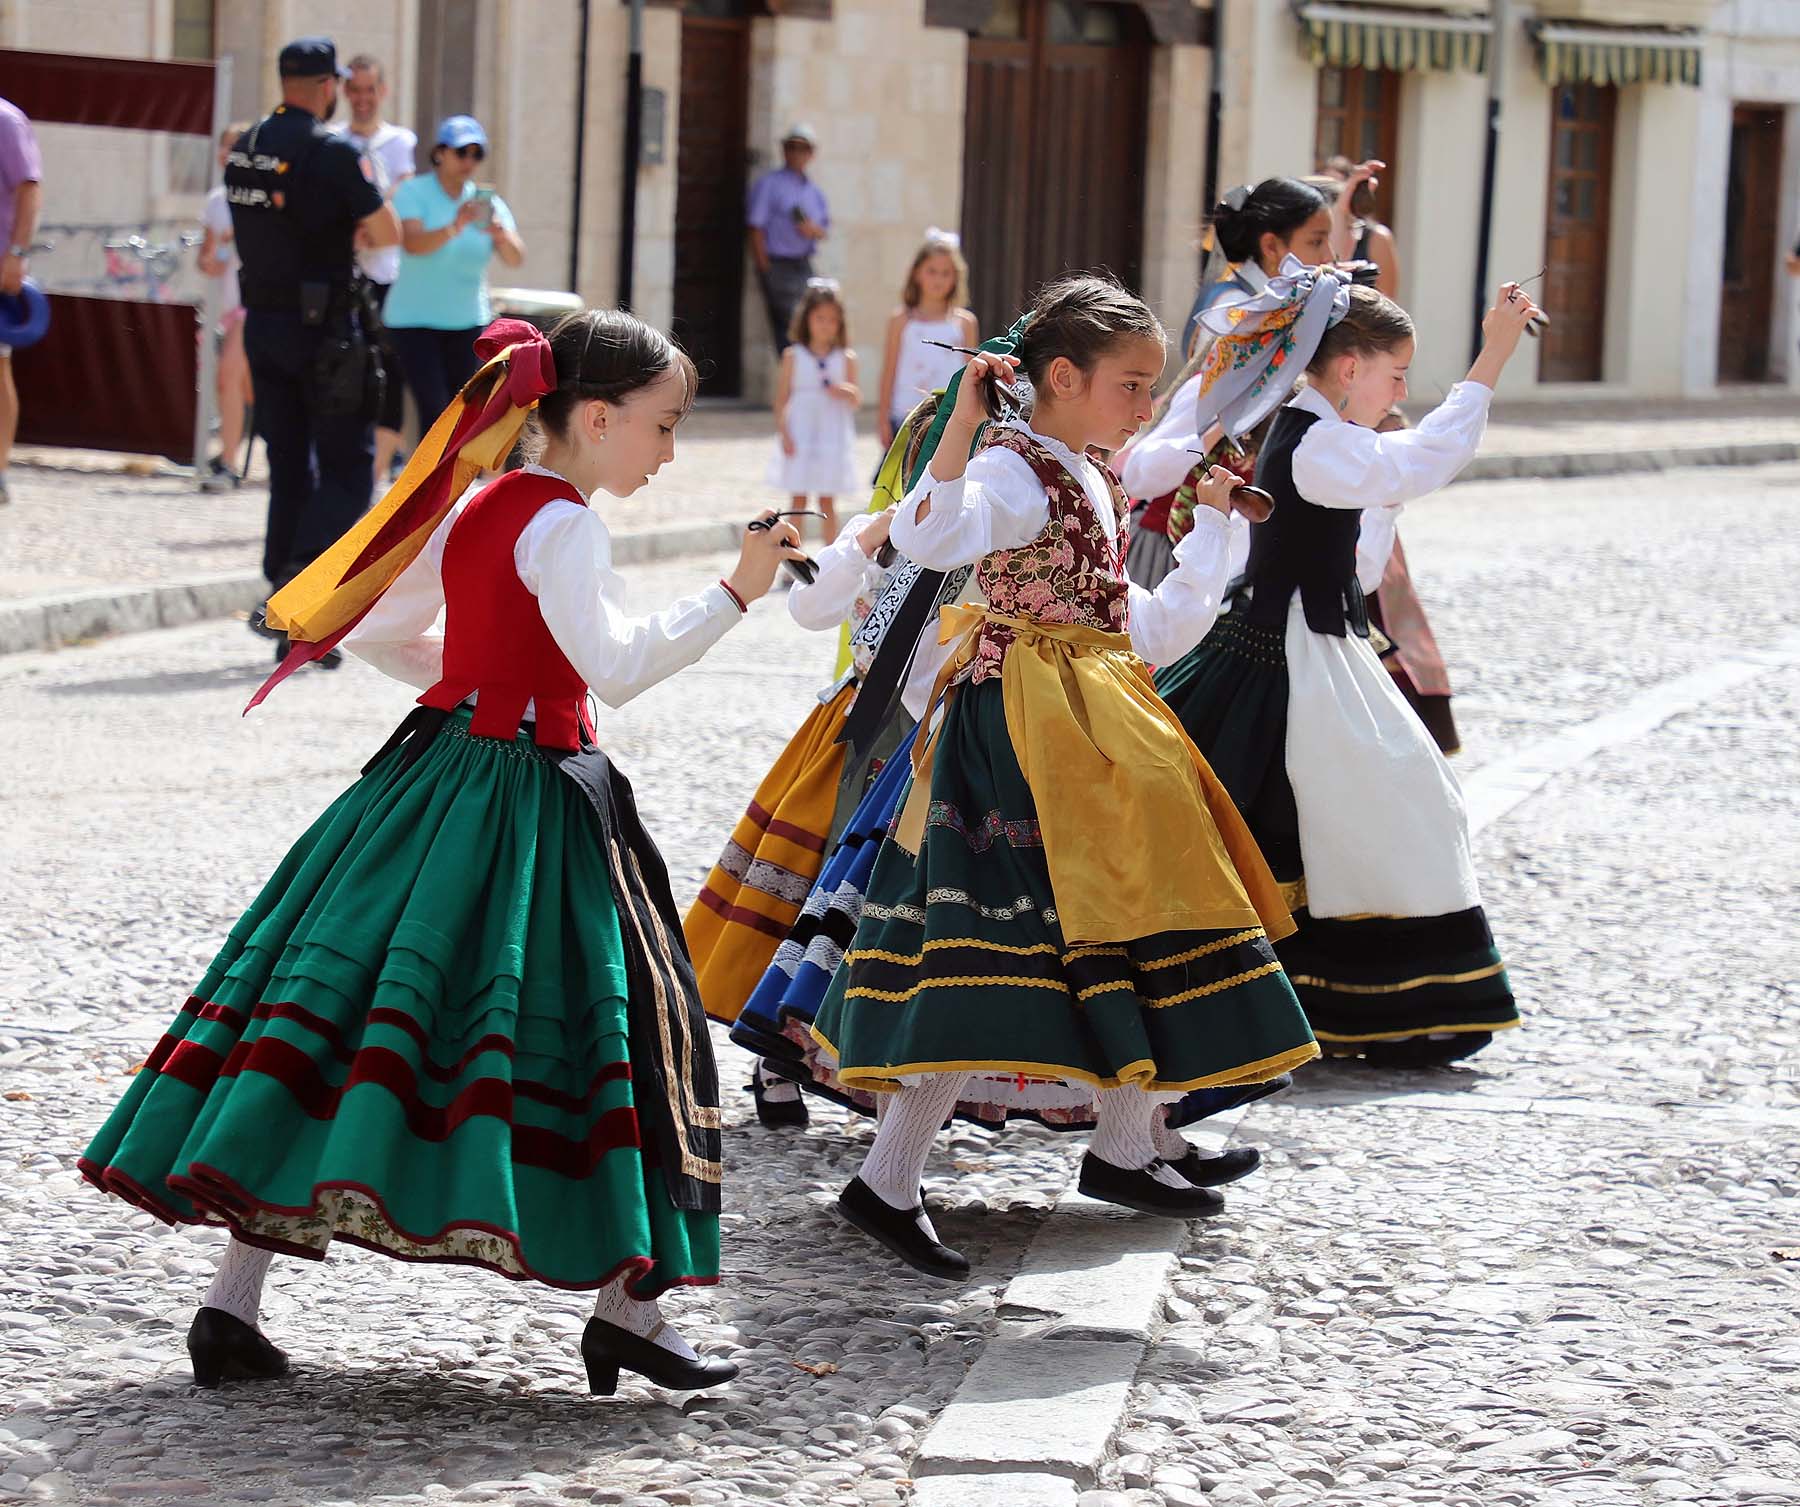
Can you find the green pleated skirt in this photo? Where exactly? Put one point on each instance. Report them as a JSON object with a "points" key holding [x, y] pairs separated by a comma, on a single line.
{"points": [[417, 1039], [959, 961]]}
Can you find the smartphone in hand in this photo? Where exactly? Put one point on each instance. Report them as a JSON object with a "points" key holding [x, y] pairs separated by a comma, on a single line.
{"points": [[483, 198]]}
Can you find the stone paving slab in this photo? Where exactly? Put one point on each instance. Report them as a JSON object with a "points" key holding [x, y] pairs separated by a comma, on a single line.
{"points": [[1024, 1489], [1034, 1403], [1097, 1272]]}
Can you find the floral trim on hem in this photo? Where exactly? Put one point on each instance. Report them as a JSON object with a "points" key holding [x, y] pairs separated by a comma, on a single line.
{"points": [[296, 1232]]}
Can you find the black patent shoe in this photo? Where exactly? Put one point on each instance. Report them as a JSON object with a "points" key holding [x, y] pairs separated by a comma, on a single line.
{"points": [[225, 1348], [1421, 1051], [778, 1114], [1215, 1171], [900, 1231], [607, 1349], [1137, 1188]]}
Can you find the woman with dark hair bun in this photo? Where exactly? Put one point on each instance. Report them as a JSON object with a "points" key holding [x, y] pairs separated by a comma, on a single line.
{"points": [[1254, 230], [459, 1024]]}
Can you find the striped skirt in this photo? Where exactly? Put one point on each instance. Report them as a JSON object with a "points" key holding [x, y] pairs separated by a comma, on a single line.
{"points": [[753, 896]]}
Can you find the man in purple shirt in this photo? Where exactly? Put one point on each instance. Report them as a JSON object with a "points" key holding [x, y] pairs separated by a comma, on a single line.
{"points": [[20, 172], [788, 216]]}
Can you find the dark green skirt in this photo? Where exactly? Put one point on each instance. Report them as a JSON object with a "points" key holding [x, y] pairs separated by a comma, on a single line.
{"points": [[959, 961], [1361, 978], [418, 1039]]}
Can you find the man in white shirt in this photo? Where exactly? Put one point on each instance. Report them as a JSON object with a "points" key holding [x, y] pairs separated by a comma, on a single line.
{"points": [[392, 150]]}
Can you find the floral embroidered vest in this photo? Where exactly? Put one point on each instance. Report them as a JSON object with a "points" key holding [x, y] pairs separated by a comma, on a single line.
{"points": [[1072, 573]]}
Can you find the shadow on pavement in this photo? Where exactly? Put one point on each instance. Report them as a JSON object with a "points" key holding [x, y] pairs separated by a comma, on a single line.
{"points": [[1330, 1082], [164, 682]]}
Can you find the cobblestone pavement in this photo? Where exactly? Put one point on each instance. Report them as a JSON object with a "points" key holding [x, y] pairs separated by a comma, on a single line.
{"points": [[72, 530], [1545, 1279], [69, 530]]}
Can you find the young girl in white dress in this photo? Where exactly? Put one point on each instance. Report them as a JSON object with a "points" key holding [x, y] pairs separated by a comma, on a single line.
{"points": [[931, 308], [815, 405]]}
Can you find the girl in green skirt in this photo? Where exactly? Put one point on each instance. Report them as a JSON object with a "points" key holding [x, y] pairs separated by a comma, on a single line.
{"points": [[1067, 893], [459, 1023]]}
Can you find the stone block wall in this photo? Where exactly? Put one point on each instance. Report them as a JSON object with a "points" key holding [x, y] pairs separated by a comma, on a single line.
{"points": [[885, 93]]}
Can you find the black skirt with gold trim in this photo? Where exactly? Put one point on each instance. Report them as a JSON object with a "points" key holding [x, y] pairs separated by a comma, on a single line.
{"points": [[1359, 978]]}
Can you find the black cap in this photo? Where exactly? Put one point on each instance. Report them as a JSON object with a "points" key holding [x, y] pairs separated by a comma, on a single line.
{"points": [[311, 57]]}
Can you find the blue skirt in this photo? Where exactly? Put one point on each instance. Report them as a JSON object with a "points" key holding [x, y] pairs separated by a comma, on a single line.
{"points": [[794, 983]]}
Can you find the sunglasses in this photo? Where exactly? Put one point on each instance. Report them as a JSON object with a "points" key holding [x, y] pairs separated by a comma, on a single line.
{"points": [[478, 153]]}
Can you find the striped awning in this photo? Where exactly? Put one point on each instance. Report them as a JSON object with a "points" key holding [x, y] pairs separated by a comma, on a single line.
{"points": [[1616, 54], [1344, 35]]}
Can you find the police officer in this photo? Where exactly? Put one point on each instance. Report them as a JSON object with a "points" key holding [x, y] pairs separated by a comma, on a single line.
{"points": [[302, 201]]}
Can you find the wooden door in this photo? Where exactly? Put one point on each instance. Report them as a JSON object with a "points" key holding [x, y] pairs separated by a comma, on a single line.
{"points": [[1581, 157], [710, 157], [1752, 194], [1053, 149], [1359, 118]]}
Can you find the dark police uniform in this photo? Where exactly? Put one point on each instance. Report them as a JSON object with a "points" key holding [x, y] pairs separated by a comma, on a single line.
{"points": [[296, 194]]}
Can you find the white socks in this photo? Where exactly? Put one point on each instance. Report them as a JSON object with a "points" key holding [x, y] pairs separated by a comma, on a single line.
{"points": [[1123, 1134], [915, 1114], [1122, 1127], [1171, 1144], [613, 1305], [775, 1088], [237, 1285]]}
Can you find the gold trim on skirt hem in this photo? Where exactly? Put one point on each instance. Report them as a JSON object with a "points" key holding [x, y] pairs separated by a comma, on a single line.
{"points": [[1312, 981], [1139, 1074], [1465, 1026]]}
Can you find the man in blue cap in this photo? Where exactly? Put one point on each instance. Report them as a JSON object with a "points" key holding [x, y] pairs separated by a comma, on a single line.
{"points": [[302, 202]]}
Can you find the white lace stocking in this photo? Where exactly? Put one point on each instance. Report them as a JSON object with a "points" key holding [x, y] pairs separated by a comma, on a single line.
{"points": [[1171, 1144], [775, 1088], [237, 1285], [915, 1114], [613, 1305]]}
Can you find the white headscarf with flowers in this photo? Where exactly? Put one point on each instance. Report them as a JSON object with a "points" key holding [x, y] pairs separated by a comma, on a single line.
{"points": [[1263, 341]]}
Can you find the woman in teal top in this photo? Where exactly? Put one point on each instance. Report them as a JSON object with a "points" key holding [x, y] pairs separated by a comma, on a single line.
{"points": [[449, 230]]}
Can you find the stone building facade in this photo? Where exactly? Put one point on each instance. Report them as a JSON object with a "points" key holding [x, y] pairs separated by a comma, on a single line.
{"points": [[1650, 156]]}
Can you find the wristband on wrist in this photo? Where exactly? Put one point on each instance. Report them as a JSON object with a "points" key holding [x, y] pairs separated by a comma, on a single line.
{"points": [[741, 604]]}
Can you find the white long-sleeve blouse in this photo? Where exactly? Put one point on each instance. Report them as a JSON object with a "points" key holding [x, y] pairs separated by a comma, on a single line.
{"points": [[563, 557], [998, 503], [1342, 465], [844, 570]]}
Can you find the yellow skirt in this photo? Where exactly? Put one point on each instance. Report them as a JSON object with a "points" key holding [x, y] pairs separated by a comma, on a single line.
{"points": [[755, 890], [1140, 836]]}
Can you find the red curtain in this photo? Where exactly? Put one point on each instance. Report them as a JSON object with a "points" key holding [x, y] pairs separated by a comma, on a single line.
{"points": [[136, 94], [112, 375]]}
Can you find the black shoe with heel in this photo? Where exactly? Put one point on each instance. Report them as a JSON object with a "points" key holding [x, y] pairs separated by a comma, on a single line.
{"points": [[607, 1350], [777, 1114], [225, 1348]]}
